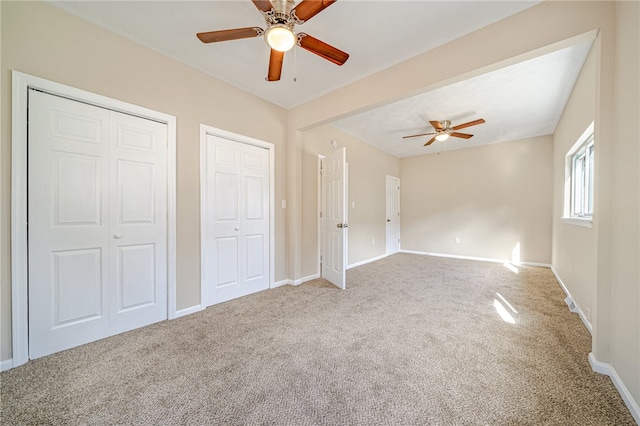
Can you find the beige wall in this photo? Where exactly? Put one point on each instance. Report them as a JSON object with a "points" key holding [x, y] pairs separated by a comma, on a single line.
{"points": [[600, 266], [625, 253], [574, 247], [496, 198], [368, 167], [43, 41]]}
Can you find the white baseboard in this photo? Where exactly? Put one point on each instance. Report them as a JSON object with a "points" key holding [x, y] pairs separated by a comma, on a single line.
{"points": [[188, 311], [364, 262], [536, 264], [454, 256], [296, 282], [307, 278], [608, 370], [577, 308], [281, 283], [7, 364], [479, 259]]}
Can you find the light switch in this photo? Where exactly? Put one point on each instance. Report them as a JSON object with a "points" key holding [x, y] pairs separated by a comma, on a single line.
{"points": [[284, 204]]}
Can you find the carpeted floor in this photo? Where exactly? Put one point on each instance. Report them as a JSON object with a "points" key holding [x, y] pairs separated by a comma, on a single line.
{"points": [[413, 340]]}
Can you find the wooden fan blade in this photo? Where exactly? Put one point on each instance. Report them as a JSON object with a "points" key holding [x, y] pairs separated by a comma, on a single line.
{"points": [[421, 134], [322, 49], [225, 35], [469, 124], [275, 65], [436, 125], [263, 5], [430, 141], [461, 135], [307, 9]]}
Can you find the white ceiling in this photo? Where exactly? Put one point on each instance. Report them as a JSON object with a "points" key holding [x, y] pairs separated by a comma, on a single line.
{"points": [[519, 101], [522, 100]]}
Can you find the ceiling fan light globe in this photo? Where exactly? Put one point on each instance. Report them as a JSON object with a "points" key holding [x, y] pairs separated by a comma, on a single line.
{"points": [[442, 137], [280, 38]]}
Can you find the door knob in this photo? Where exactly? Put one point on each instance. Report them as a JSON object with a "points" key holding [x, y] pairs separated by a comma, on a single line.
{"points": [[339, 225], [237, 229], [388, 220], [117, 236]]}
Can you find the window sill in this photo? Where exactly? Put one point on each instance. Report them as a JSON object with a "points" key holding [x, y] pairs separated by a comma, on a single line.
{"points": [[585, 223]]}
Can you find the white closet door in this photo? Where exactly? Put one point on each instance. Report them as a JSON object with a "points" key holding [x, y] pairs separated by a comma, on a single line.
{"points": [[68, 224], [236, 219], [138, 222], [97, 223]]}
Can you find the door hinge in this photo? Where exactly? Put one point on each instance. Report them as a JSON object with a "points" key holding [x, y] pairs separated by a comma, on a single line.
{"points": [[320, 214]]}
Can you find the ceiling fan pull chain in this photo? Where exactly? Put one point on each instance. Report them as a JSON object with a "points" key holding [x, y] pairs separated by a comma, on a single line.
{"points": [[267, 57], [295, 64]]}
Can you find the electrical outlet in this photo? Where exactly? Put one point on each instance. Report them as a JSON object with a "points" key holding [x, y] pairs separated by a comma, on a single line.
{"points": [[457, 240], [373, 241]]}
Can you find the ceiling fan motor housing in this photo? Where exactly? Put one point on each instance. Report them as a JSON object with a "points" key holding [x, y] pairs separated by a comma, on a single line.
{"points": [[283, 8]]}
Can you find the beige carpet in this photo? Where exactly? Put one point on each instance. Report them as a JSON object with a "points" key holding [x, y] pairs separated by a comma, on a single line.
{"points": [[413, 340]]}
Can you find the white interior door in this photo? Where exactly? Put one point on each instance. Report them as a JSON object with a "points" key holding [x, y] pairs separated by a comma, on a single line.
{"points": [[236, 219], [333, 221], [393, 214], [97, 223], [138, 222]]}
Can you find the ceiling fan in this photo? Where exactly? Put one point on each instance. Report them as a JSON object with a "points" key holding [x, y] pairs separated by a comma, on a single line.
{"points": [[443, 130], [280, 18]]}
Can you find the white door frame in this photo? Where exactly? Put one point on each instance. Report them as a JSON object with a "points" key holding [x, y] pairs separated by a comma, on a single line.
{"points": [[213, 131], [21, 83]]}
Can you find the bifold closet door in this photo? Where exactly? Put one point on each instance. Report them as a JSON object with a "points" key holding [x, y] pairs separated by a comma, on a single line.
{"points": [[236, 219], [97, 223]]}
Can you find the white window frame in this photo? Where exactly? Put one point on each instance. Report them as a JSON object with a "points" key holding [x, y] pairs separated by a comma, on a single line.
{"points": [[579, 180]]}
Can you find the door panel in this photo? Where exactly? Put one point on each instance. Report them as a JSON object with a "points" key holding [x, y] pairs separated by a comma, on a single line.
{"points": [[136, 281], [135, 192], [97, 216], [227, 264], [236, 219], [77, 284], [138, 222], [76, 190], [226, 188], [68, 178], [333, 223]]}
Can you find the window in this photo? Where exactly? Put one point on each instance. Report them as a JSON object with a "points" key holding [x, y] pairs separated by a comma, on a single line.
{"points": [[578, 206], [582, 180]]}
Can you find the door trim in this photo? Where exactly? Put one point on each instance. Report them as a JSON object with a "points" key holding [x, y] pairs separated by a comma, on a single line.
{"points": [[21, 83], [235, 137]]}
